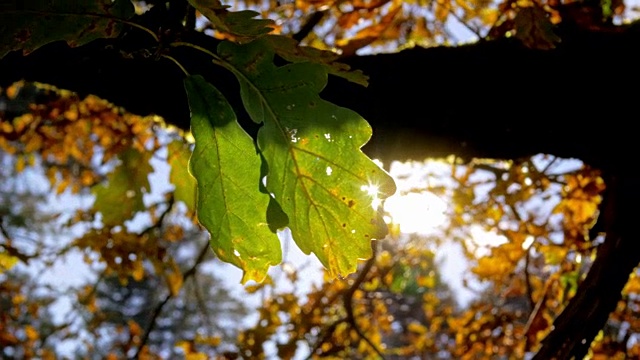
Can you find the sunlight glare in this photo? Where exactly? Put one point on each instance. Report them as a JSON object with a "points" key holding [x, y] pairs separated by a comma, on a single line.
{"points": [[484, 240], [415, 212], [372, 191]]}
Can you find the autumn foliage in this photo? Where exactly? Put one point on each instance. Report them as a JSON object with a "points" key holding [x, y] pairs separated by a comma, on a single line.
{"points": [[396, 306], [108, 219]]}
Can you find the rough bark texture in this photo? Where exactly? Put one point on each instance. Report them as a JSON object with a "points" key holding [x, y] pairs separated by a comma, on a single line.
{"points": [[492, 99]]}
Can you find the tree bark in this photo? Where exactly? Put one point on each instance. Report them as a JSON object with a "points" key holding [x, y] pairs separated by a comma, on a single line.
{"points": [[599, 293]]}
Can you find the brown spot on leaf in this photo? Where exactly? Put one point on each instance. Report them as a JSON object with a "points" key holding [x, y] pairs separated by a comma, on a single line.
{"points": [[351, 203]]}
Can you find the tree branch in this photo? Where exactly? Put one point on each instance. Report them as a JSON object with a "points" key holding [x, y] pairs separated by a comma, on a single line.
{"points": [[313, 20], [598, 294], [348, 301]]}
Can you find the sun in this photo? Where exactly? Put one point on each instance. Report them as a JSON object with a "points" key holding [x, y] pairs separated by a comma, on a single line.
{"points": [[416, 212], [413, 208]]}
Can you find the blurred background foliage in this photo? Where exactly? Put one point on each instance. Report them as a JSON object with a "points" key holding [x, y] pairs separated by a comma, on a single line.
{"points": [[127, 272]]}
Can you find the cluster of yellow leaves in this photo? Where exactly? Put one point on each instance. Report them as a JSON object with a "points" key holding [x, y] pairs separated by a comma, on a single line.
{"points": [[70, 134], [71, 139], [189, 348], [125, 254], [581, 197], [358, 317], [351, 25], [348, 26]]}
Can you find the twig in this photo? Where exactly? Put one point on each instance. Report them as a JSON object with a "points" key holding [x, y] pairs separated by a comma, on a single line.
{"points": [[527, 277], [327, 333], [462, 21], [308, 27], [10, 249], [172, 59], [348, 302], [163, 215]]}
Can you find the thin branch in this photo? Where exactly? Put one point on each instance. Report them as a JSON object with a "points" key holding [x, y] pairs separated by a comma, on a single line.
{"points": [[534, 312], [348, 302], [307, 28], [465, 24], [158, 310], [527, 277], [163, 215], [176, 62], [327, 333], [10, 249]]}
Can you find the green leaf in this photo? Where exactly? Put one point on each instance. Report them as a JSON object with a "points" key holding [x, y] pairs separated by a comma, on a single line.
{"points": [[276, 217], [240, 24], [288, 49], [29, 24], [121, 196], [227, 168], [185, 184], [317, 172]]}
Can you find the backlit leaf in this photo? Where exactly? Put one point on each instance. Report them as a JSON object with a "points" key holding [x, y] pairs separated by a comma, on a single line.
{"points": [[317, 172], [121, 196], [288, 49], [27, 25], [237, 23], [227, 168], [185, 184]]}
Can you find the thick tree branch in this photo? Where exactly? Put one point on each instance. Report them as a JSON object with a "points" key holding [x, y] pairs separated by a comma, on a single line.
{"points": [[492, 99], [599, 293]]}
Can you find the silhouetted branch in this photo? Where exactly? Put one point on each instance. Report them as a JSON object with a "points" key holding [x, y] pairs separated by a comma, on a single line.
{"points": [[313, 20], [598, 294]]}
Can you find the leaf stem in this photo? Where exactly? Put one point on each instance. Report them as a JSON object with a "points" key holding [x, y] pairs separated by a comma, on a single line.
{"points": [[169, 57]]}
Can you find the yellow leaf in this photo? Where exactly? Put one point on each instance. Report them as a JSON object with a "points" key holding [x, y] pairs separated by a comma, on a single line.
{"points": [[134, 328], [7, 261], [31, 332], [20, 164], [6, 127], [138, 270], [633, 286], [426, 281], [196, 356], [417, 328], [490, 266], [174, 281], [208, 340]]}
